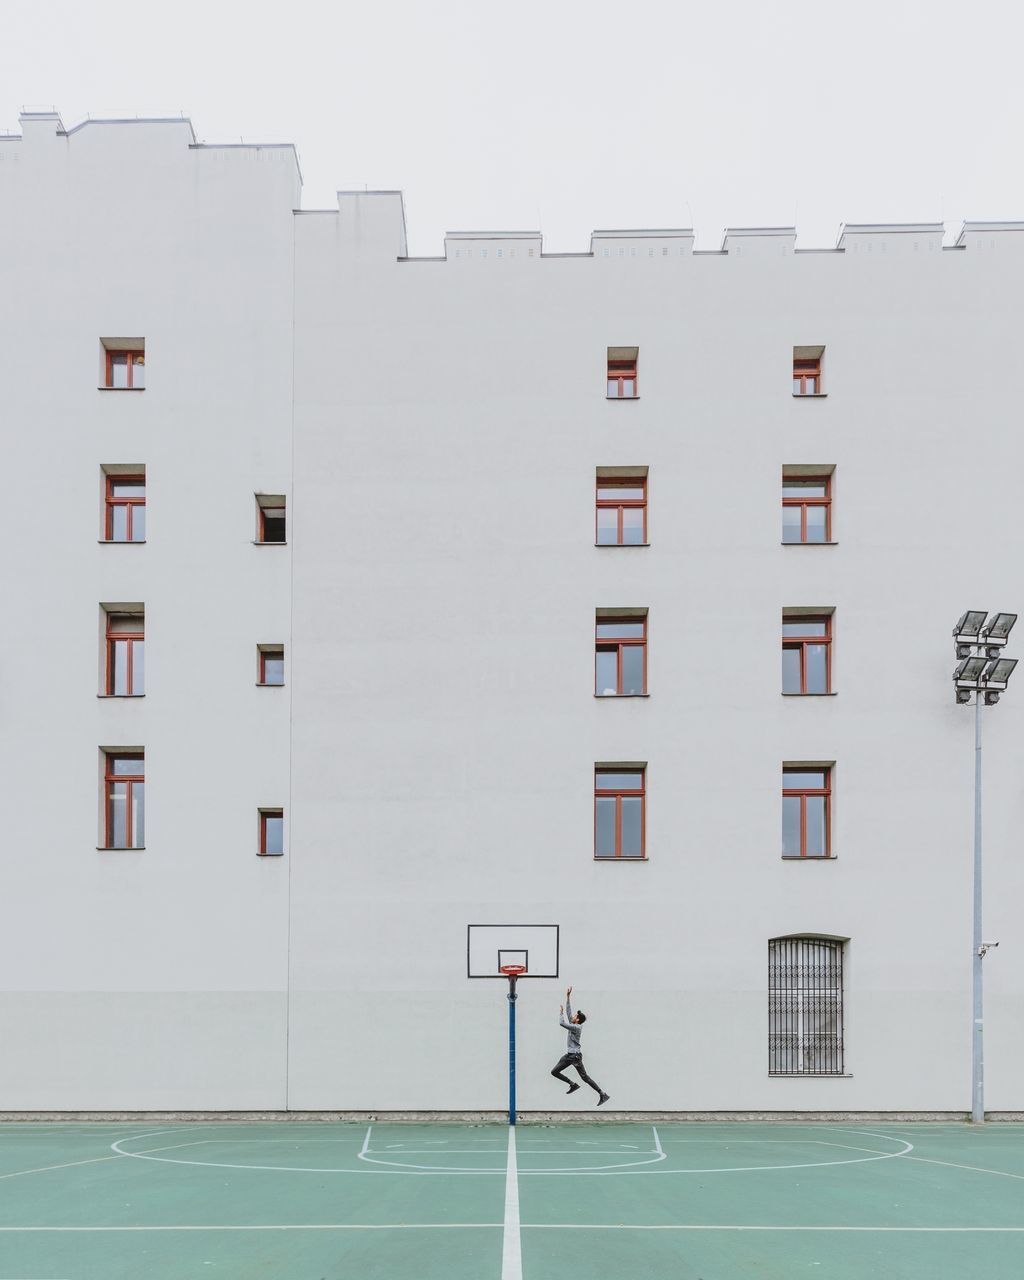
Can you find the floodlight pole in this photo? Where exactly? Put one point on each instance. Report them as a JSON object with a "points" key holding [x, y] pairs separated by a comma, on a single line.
{"points": [[978, 1038], [512, 1049]]}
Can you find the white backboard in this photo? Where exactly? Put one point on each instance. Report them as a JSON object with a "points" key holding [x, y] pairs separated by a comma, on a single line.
{"points": [[489, 946]]}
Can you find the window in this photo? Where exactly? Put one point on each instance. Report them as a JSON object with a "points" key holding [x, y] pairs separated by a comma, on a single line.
{"points": [[621, 660], [270, 669], [619, 816], [621, 510], [805, 1007], [126, 655], [270, 511], [271, 832], [126, 509], [806, 817], [806, 653], [622, 363], [807, 370], [806, 508], [125, 786], [124, 363]]}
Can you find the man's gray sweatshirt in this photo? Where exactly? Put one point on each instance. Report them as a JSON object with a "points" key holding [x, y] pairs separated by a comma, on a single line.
{"points": [[573, 1045]]}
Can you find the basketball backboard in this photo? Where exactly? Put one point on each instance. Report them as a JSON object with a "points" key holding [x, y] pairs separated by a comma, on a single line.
{"points": [[489, 946]]}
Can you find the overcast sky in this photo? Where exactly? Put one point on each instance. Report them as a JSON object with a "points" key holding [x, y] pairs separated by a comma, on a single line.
{"points": [[569, 116]]}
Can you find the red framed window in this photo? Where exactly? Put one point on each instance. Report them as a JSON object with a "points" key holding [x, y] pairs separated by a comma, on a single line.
{"points": [[125, 807], [621, 511], [622, 380], [620, 797], [807, 377], [126, 654], [271, 521], [126, 370], [620, 667], [806, 653], [806, 812], [125, 509], [806, 508], [271, 833], [270, 665]]}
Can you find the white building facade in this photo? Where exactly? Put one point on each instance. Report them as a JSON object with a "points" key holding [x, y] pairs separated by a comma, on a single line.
{"points": [[499, 586]]}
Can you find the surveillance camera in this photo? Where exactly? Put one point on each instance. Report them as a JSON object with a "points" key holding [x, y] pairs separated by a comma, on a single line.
{"points": [[990, 944]]}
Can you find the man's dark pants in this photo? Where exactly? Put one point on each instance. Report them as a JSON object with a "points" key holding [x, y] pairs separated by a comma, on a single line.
{"points": [[574, 1060]]}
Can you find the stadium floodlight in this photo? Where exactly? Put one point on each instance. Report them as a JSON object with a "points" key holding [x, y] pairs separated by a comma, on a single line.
{"points": [[969, 672], [995, 632], [998, 672], [970, 624]]}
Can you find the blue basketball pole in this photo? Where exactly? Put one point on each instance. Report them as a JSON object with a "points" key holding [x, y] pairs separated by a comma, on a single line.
{"points": [[511, 1049]]}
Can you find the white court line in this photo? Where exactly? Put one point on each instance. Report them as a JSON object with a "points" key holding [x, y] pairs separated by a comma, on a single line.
{"points": [[974, 1168], [524, 1226], [366, 1141], [46, 1168], [511, 1246], [279, 1226], [657, 1142], [701, 1226]]}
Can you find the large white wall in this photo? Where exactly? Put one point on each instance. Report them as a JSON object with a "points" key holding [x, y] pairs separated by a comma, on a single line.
{"points": [[433, 746]]}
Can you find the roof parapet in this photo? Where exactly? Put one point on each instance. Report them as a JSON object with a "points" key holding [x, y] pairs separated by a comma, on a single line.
{"points": [[856, 237], [493, 244], [984, 229], [759, 241], [375, 222], [650, 242]]}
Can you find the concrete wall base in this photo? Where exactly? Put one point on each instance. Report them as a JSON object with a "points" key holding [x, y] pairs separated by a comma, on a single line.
{"points": [[497, 1117]]}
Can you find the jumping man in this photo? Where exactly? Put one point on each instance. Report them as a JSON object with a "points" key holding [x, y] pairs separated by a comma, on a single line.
{"points": [[573, 1056]]}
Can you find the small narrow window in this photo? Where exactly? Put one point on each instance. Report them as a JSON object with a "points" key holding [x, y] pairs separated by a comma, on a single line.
{"points": [[126, 655], [620, 668], [622, 364], [270, 665], [806, 816], [621, 510], [126, 508], [805, 1007], [620, 795], [271, 832], [270, 511], [124, 364], [806, 653], [806, 508], [124, 778], [807, 370]]}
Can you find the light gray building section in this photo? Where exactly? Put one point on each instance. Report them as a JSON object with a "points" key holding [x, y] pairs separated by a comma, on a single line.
{"points": [[436, 426]]}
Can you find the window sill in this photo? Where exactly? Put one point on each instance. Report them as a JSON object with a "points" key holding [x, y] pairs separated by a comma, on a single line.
{"points": [[120, 388], [810, 395], [815, 857], [262, 684], [121, 542], [257, 543], [809, 544], [606, 859], [618, 697], [618, 545], [119, 697], [625, 399], [117, 848], [832, 694], [271, 855]]}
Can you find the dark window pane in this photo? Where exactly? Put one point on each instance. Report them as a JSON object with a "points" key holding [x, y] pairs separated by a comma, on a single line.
{"points": [[607, 525], [800, 780], [620, 781], [804, 627], [606, 682], [119, 622], [791, 826], [632, 820], [117, 822], [633, 668], [632, 526], [274, 828], [124, 766], [273, 525], [119, 524], [791, 670], [620, 630], [816, 524], [138, 524], [790, 524], [796, 487], [604, 837], [815, 826], [273, 670], [817, 668]]}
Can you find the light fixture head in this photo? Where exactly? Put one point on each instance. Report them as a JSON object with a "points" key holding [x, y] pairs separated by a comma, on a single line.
{"points": [[970, 622], [963, 695], [969, 672], [998, 627], [991, 697], [998, 672]]}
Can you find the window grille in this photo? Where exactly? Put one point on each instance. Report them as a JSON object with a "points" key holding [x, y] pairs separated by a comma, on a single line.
{"points": [[805, 1007]]}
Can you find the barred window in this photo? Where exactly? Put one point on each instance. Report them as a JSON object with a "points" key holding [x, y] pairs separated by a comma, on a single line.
{"points": [[805, 1007]]}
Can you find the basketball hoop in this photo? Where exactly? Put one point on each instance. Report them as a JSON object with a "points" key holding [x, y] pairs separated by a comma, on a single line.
{"points": [[513, 970]]}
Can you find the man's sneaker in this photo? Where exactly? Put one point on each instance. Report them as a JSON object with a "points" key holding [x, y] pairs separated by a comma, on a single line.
{"points": [[603, 1099], [572, 1088]]}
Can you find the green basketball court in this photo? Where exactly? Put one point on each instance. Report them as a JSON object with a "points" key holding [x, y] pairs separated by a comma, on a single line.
{"points": [[611, 1201]]}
